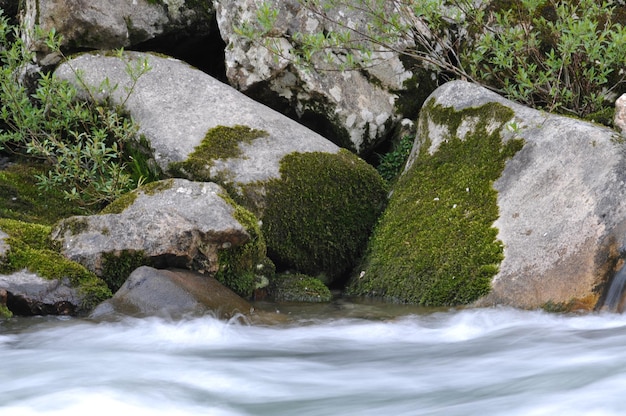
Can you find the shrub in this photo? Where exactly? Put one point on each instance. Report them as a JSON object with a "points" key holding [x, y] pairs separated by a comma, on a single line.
{"points": [[558, 55], [82, 141], [555, 55]]}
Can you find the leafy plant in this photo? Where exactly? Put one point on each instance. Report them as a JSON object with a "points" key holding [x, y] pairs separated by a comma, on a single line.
{"points": [[392, 163], [82, 140], [559, 55], [555, 55]]}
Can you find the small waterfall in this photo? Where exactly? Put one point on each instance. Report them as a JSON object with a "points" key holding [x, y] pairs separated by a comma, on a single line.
{"points": [[615, 293]]}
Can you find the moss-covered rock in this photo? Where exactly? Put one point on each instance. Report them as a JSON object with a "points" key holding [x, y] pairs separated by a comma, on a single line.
{"points": [[244, 268], [321, 210], [299, 288], [435, 243], [317, 207], [31, 249]]}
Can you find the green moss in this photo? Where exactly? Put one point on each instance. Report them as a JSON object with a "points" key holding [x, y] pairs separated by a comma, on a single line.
{"points": [[241, 267], [299, 288], [120, 204], [219, 143], [31, 249], [21, 198], [117, 266], [5, 312], [435, 243], [321, 210]]}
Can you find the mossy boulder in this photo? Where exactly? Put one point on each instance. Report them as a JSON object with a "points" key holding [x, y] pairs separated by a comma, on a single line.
{"points": [[500, 204], [38, 279], [317, 208], [171, 223], [321, 211], [262, 158], [435, 244], [298, 287]]}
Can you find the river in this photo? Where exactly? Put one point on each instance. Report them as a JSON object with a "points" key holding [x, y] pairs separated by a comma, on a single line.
{"points": [[338, 360]]}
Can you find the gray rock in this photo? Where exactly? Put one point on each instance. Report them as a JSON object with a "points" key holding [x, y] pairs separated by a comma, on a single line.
{"points": [[173, 223], [176, 105], [114, 23], [30, 294], [353, 110], [620, 114], [562, 203], [172, 293]]}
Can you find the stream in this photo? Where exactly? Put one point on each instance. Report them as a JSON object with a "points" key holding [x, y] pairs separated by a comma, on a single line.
{"points": [[334, 359]]}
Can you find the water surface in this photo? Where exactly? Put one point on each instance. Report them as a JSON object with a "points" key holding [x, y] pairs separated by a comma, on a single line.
{"points": [[328, 361]]}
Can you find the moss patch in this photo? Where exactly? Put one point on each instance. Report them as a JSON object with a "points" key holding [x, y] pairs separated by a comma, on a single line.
{"points": [[320, 212], [220, 142], [299, 288], [5, 312], [435, 244], [21, 198], [117, 266], [32, 250], [120, 204], [241, 268]]}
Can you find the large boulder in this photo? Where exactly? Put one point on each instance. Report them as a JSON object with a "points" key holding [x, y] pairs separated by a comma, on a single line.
{"points": [[171, 223], [172, 293], [113, 24], [283, 172], [354, 109], [502, 204]]}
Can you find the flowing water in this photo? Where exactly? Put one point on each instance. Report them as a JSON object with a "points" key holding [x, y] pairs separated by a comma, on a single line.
{"points": [[459, 362]]}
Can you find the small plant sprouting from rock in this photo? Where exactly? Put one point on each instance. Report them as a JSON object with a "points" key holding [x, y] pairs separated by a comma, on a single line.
{"points": [[392, 163]]}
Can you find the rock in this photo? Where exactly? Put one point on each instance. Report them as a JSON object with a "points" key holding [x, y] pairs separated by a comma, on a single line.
{"points": [[114, 24], [176, 105], [37, 279], [355, 109], [299, 288], [172, 293], [29, 294], [4, 309], [283, 172], [620, 114], [172, 223], [535, 219]]}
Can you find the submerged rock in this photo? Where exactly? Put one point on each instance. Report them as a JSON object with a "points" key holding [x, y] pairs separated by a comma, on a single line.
{"points": [[536, 218], [298, 288]]}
